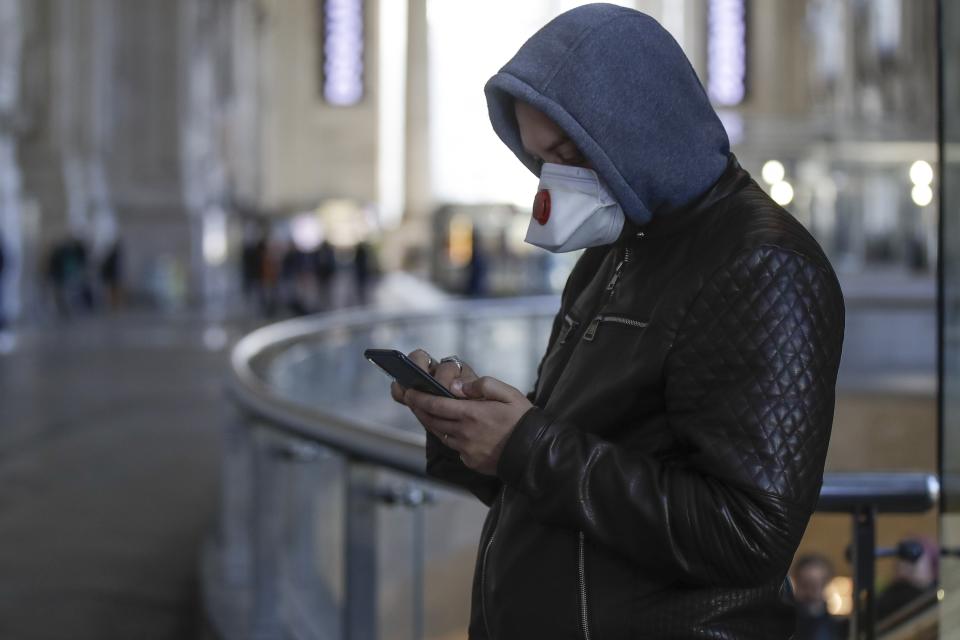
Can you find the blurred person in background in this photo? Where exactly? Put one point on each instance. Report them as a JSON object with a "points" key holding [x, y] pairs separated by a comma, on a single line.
{"points": [[3, 315], [912, 579], [477, 269], [111, 274], [811, 575], [325, 270], [252, 267], [658, 478], [68, 273], [362, 266]]}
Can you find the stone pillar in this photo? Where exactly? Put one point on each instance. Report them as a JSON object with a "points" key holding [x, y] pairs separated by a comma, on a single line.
{"points": [[419, 201], [84, 101], [11, 242], [205, 84], [411, 243]]}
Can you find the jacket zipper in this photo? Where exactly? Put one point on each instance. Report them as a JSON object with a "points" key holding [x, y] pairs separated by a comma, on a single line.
{"points": [[615, 278], [483, 568], [583, 590], [591, 331], [569, 325], [596, 308]]}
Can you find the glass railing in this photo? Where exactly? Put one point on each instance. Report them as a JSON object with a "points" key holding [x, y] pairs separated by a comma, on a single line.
{"points": [[329, 527]]}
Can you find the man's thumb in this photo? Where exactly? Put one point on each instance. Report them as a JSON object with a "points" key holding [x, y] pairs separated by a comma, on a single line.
{"points": [[488, 388]]}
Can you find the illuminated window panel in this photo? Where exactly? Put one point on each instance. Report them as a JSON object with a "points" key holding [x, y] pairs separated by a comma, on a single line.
{"points": [[727, 52], [342, 51]]}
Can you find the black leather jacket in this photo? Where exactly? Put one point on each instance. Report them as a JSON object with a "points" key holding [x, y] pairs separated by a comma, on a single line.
{"points": [[661, 483]]}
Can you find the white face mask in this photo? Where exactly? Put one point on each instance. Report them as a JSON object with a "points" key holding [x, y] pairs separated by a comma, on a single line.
{"points": [[573, 210]]}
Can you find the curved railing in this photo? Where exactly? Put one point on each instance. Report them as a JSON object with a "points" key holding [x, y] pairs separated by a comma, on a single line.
{"points": [[329, 526]]}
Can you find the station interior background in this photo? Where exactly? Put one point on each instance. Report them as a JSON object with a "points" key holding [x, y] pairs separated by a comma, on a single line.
{"points": [[175, 173]]}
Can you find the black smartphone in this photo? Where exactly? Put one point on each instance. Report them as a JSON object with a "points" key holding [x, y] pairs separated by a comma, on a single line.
{"points": [[407, 374]]}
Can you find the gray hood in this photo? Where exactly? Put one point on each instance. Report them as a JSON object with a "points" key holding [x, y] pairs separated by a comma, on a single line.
{"points": [[620, 86]]}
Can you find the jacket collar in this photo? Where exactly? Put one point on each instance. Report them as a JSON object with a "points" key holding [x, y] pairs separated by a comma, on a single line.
{"points": [[669, 222]]}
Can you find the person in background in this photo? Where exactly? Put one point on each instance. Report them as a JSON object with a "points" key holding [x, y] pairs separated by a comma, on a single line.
{"points": [[325, 269], [811, 574], [251, 266], [361, 270], [3, 315], [111, 274], [477, 269], [67, 271], [911, 580]]}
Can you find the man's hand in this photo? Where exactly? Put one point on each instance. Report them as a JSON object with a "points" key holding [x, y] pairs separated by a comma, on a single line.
{"points": [[477, 427]]}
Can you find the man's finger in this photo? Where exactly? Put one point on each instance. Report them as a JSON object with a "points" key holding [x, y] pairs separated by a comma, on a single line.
{"points": [[449, 375], [421, 358], [396, 392], [449, 431], [489, 388], [435, 405], [445, 373]]}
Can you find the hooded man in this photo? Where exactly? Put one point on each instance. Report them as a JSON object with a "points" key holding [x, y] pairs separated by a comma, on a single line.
{"points": [[658, 479]]}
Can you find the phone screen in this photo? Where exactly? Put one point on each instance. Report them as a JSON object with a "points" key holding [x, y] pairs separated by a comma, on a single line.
{"points": [[407, 374]]}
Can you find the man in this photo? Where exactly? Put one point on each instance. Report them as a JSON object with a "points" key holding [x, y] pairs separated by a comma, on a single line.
{"points": [[658, 479], [811, 574], [3, 317]]}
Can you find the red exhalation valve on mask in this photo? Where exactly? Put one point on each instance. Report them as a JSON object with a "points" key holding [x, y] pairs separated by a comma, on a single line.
{"points": [[541, 206]]}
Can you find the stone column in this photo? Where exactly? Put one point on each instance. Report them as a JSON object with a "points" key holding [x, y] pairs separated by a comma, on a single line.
{"points": [[84, 101], [205, 83], [410, 244], [11, 48]]}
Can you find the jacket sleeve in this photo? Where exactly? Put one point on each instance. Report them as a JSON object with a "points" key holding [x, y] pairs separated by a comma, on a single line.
{"points": [[749, 393]]}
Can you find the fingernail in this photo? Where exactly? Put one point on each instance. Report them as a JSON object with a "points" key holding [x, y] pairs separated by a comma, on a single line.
{"points": [[457, 386]]}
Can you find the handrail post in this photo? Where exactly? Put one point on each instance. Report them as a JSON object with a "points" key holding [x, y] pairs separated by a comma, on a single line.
{"points": [[863, 558], [266, 527], [419, 564], [360, 608]]}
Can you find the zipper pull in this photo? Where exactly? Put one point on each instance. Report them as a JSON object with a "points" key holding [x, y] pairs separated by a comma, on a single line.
{"points": [[591, 331], [616, 276], [569, 324]]}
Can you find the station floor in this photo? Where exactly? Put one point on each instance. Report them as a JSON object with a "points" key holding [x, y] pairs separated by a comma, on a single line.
{"points": [[110, 451], [109, 471]]}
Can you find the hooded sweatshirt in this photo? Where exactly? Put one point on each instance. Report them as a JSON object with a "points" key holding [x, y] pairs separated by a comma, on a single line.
{"points": [[622, 89]]}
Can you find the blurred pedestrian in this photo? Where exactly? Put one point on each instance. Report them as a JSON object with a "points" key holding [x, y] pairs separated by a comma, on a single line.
{"points": [[3, 258], [361, 270], [912, 579], [67, 271], [111, 274], [476, 269], [253, 268], [325, 270], [811, 574]]}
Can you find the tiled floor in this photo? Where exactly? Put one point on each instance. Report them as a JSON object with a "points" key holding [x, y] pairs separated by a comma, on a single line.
{"points": [[109, 470], [110, 452]]}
